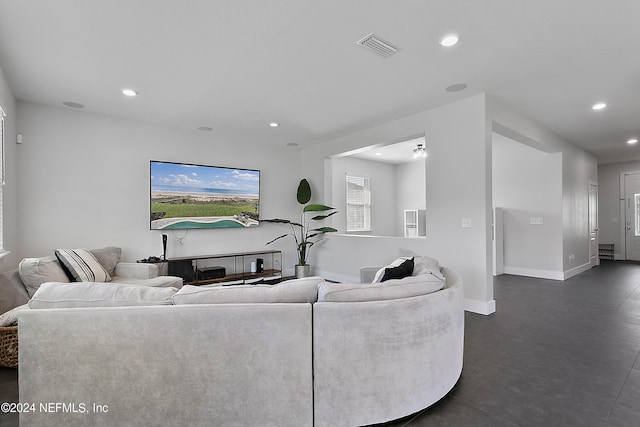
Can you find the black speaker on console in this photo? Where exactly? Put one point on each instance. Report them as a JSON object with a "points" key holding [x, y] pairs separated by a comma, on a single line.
{"points": [[183, 268], [164, 247]]}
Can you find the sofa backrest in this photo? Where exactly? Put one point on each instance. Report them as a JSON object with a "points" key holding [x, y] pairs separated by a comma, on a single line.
{"points": [[12, 291]]}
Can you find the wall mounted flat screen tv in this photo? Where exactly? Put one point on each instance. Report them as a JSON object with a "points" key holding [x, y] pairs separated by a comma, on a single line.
{"points": [[185, 196]]}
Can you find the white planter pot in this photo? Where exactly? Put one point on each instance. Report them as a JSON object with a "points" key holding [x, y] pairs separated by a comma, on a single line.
{"points": [[303, 271]]}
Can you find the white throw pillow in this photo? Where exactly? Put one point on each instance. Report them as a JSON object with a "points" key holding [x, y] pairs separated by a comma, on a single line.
{"points": [[290, 291], [81, 265], [108, 257], [36, 271], [72, 295]]}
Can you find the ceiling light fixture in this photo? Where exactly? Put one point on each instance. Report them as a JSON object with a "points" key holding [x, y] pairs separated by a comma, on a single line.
{"points": [[129, 92], [632, 141], [419, 152], [457, 87], [599, 106], [72, 104], [449, 40], [274, 124]]}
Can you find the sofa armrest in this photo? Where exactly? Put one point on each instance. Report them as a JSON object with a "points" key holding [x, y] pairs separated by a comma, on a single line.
{"points": [[136, 270], [367, 273]]}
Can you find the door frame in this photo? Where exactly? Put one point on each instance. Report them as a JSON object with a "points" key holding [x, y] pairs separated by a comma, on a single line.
{"points": [[623, 212], [594, 258]]}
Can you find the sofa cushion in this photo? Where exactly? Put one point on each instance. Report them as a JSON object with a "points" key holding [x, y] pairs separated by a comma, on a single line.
{"points": [[289, 291], [158, 282], [411, 286], [108, 257], [36, 271], [71, 295], [400, 272], [81, 266]]}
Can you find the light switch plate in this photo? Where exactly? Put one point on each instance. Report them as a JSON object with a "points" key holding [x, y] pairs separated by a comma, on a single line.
{"points": [[466, 222], [536, 221]]}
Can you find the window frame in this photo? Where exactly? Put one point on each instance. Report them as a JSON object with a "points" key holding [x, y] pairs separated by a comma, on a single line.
{"points": [[364, 204]]}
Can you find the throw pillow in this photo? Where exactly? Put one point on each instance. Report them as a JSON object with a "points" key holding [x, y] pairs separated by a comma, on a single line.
{"points": [[378, 277], [81, 266], [36, 271], [108, 257], [423, 264], [403, 270]]}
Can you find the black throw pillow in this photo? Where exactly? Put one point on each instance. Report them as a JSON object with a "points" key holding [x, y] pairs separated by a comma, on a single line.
{"points": [[403, 270]]}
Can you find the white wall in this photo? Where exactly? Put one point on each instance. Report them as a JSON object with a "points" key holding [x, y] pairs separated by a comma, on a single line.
{"points": [[527, 183], [83, 181], [611, 219], [9, 192], [411, 190], [383, 193], [579, 168], [458, 186]]}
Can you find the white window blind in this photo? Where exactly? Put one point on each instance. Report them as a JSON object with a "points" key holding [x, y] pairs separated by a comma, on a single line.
{"points": [[358, 203], [2, 174]]}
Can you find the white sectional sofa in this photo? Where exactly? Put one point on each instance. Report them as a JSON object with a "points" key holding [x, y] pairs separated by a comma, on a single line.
{"points": [[255, 355]]}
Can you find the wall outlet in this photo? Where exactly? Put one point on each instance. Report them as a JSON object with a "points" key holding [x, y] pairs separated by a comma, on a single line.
{"points": [[466, 222], [572, 257]]}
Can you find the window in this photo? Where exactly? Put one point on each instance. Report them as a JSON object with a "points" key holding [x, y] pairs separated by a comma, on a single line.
{"points": [[358, 203], [2, 171]]}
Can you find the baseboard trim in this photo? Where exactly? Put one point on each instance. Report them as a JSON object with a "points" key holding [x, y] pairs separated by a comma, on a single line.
{"points": [[532, 272], [480, 307], [576, 270]]}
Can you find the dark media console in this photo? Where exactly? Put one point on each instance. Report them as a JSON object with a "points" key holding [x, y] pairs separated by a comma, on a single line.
{"points": [[228, 269]]}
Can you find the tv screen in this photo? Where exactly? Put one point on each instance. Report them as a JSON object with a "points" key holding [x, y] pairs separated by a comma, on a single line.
{"points": [[187, 196]]}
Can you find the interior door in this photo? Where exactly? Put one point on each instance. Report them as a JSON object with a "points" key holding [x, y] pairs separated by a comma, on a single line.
{"points": [[632, 215], [593, 224]]}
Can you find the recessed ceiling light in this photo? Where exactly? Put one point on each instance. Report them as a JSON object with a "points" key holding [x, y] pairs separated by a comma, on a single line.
{"points": [[449, 40], [205, 128], [456, 87], [599, 106], [632, 141], [129, 92], [71, 104], [274, 124], [378, 154]]}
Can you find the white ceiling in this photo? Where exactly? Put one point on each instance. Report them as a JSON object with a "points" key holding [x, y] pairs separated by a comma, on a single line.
{"points": [[235, 66]]}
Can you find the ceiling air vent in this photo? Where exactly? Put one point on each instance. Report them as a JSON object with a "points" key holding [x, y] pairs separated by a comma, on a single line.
{"points": [[377, 45]]}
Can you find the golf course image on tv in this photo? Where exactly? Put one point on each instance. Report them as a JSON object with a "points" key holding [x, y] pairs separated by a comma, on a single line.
{"points": [[187, 196]]}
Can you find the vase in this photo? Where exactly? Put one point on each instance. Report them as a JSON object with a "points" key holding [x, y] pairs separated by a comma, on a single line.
{"points": [[303, 271]]}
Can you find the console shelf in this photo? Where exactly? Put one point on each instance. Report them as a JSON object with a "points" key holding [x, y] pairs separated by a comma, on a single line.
{"points": [[228, 269]]}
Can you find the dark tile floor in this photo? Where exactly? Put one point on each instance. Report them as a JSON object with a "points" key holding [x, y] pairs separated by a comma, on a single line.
{"points": [[554, 354]]}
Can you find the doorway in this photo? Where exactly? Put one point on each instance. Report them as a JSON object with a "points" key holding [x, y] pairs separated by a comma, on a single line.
{"points": [[593, 224], [632, 215]]}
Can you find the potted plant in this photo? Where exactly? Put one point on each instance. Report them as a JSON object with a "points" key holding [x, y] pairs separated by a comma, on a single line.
{"points": [[303, 232]]}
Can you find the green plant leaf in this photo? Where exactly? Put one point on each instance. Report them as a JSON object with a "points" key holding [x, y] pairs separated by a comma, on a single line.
{"points": [[279, 237], [321, 217], [281, 221], [316, 208], [304, 192]]}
